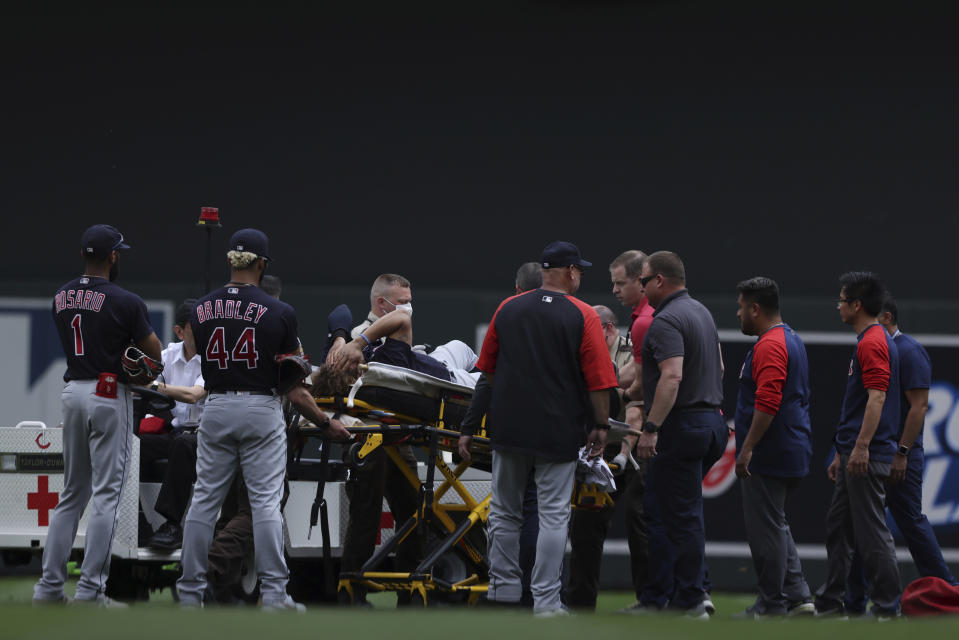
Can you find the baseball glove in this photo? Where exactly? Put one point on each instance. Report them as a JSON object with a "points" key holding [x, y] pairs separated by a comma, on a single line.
{"points": [[291, 368], [139, 366]]}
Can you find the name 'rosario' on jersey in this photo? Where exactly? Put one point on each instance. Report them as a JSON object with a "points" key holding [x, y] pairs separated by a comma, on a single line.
{"points": [[230, 309], [79, 299]]}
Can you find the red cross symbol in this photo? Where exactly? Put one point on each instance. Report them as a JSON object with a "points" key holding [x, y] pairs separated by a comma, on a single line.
{"points": [[386, 520], [43, 501]]}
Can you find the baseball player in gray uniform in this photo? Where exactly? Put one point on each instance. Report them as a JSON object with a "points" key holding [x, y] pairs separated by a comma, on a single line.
{"points": [[97, 320], [239, 331]]}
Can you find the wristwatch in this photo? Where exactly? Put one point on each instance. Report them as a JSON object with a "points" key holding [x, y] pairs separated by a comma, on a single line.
{"points": [[650, 427], [903, 450], [155, 386]]}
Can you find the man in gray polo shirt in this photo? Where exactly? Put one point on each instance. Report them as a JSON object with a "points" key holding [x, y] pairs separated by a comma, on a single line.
{"points": [[683, 436]]}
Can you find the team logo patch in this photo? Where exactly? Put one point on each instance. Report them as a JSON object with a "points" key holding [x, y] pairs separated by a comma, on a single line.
{"points": [[722, 475], [233, 290], [547, 298], [84, 280], [42, 445]]}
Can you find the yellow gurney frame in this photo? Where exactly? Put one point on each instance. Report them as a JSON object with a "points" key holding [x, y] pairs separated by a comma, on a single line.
{"points": [[394, 428], [391, 429]]}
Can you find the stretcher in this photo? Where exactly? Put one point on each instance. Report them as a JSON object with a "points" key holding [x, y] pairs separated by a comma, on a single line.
{"points": [[397, 406]]}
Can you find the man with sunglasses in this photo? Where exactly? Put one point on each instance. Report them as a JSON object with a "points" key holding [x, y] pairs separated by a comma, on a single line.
{"points": [[866, 443], [683, 436]]}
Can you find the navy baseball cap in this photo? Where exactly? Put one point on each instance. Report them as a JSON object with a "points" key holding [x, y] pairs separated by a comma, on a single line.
{"points": [[563, 254], [100, 239], [252, 241]]}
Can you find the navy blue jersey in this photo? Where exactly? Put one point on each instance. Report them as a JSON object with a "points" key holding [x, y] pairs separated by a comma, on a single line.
{"points": [[539, 336], [774, 379], [874, 365], [239, 331], [97, 320], [915, 372]]}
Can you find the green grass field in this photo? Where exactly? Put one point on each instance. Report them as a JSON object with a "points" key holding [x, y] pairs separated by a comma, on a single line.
{"points": [[160, 618]]}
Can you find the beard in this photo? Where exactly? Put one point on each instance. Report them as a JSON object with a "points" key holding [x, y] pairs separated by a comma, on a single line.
{"points": [[114, 272]]}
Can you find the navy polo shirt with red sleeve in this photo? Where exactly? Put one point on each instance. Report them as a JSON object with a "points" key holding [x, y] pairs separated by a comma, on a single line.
{"points": [[874, 365], [546, 351], [774, 379]]}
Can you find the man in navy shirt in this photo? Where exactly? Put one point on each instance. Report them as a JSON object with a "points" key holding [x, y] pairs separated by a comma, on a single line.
{"points": [[97, 321], [774, 445], [866, 443], [904, 489]]}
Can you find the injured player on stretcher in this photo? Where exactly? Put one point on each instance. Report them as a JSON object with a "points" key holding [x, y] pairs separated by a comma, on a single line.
{"points": [[453, 361]]}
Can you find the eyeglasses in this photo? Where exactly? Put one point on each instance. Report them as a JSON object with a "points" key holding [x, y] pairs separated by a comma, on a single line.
{"points": [[645, 281], [846, 300], [578, 268]]}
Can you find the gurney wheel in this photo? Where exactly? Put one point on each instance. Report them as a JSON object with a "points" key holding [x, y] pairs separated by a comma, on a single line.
{"points": [[355, 459]]}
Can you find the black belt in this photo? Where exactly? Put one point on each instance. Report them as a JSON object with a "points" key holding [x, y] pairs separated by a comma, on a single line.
{"points": [[241, 392], [698, 407]]}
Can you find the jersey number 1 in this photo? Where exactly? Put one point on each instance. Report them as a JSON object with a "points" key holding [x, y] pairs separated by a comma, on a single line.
{"points": [[77, 336], [243, 351]]}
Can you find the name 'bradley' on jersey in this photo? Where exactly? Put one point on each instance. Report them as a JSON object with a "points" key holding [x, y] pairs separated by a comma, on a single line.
{"points": [[230, 309]]}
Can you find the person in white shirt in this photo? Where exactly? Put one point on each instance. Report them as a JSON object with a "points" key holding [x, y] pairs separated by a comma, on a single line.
{"points": [[175, 438]]}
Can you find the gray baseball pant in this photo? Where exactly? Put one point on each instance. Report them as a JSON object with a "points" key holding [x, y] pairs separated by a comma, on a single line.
{"points": [[554, 490], [779, 573], [97, 437], [248, 432], [857, 520]]}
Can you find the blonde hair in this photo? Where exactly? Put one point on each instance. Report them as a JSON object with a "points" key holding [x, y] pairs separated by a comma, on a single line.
{"points": [[241, 259]]}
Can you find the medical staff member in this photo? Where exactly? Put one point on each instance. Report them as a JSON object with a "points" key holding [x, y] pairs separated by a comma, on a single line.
{"points": [[904, 489], [866, 443], [774, 446]]}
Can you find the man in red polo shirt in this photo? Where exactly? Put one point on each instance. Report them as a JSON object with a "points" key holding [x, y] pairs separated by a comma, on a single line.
{"points": [[624, 273]]}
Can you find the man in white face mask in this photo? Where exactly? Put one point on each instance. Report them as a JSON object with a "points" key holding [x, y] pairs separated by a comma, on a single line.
{"points": [[390, 293]]}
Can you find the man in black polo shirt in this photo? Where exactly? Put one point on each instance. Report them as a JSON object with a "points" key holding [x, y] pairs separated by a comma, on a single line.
{"points": [[546, 360], [683, 436]]}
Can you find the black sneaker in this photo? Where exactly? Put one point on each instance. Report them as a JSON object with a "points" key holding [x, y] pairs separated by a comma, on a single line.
{"points": [[801, 608], [168, 537], [830, 610]]}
